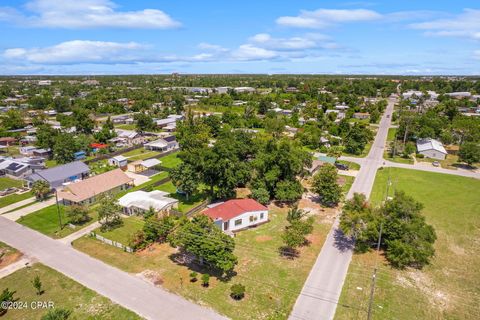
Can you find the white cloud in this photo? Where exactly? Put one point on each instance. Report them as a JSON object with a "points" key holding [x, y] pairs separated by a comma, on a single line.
{"points": [[211, 47], [322, 18], [476, 54], [308, 41], [78, 51], [248, 52], [465, 25], [73, 14]]}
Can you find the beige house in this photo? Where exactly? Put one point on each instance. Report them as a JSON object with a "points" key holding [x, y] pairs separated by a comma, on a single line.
{"points": [[87, 191]]}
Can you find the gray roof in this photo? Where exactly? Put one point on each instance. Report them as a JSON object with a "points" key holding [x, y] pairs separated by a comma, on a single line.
{"points": [[61, 172]]}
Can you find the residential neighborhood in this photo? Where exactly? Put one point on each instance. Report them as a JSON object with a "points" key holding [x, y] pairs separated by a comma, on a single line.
{"points": [[286, 177]]}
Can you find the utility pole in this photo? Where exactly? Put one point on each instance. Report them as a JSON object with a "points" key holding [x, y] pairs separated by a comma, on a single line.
{"points": [[374, 276], [58, 210]]}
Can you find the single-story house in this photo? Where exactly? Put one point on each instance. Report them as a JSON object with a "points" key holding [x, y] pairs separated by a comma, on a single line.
{"points": [[59, 175], [118, 161], [7, 141], [162, 123], [162, 145], [361, 115], [138, 202], [87, 191], [143, 165], [44, 153], [431, 148], [13, 168], [235, 215], [27, 150]]}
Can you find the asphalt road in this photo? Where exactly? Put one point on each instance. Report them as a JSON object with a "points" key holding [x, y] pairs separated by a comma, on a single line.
{"points": [[321, 292], [123, 288]]}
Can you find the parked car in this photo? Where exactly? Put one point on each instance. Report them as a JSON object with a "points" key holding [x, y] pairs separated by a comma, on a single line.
{"points": [[341, 166], [436, 163]]}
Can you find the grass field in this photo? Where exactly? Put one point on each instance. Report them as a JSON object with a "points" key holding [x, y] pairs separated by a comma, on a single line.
{"points": [[8, 200], [51, 163], [184, 204], [392, 132], [63, 292], [449, 288], [171, 161], [124, 233], [140, 154], [272, 282], [153, 179], [6, 183], [46, 221]]}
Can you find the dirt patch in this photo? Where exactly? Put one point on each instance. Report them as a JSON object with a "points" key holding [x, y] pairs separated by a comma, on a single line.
{"points": [[9, 258], [154, 249], [420, 281], [243, 193], [151, 276], [457, 249], [263, 238], [314, 239], [341, 180]]}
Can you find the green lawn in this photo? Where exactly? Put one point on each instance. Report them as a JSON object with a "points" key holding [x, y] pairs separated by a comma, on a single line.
{"points": [[51, 163], [46, 221], [127, 127], [272, 282], [351, 165], [391, 134], [13, 198], [184, 204], [101, 166], [6, 183], [348, 183], [63, 292], [124, 233], [448, 288], [171, 161], [140, 154]]}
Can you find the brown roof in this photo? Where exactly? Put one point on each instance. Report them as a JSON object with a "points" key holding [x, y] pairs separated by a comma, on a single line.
{"points": [[96, 185]]}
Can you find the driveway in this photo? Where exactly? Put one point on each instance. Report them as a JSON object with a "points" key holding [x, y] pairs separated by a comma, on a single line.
{"points": [[123, 288], [17, 214]]}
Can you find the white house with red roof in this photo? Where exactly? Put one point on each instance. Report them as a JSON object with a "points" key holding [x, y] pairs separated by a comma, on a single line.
{"points": [[238, 214]]}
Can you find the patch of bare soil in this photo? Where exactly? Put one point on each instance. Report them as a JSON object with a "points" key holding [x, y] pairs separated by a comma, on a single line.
{"points": [[263, 238], [243, 193], [419, 280], [310, 204], [151, 276], [9, 258], [154, 249], [457, 249]]}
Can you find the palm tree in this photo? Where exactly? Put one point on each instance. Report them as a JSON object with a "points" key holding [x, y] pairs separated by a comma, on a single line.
{"points": [[41, 189]]}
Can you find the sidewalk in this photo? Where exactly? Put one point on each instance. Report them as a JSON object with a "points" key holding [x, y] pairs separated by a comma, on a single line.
{"points": [[11, 268], [80, 233]]}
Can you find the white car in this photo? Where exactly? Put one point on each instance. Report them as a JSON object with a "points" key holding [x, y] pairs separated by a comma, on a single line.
{"points": [[436, 163]]}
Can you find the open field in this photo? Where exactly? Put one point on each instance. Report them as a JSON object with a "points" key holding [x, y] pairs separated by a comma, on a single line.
{"points": [[46, 221], [140, 154], [272, 282], [392, 133], [63, 292], [8, 200], [449, 288]]}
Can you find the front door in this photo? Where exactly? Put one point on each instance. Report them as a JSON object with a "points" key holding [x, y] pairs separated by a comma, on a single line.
{"points": [[225, 225]]}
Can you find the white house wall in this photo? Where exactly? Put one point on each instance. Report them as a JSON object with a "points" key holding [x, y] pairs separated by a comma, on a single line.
{"points": [[434, 154], [246, 220]]}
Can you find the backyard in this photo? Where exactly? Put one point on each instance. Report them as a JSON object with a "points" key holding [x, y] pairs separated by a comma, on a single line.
{"points": [[63, 292], [184, 204], [139, 154], [171, 161], [448, 288], [272, 282]]}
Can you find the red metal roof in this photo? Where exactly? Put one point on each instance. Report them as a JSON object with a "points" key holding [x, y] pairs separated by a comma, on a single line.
{"points": [[98, 145], [233, 208]]}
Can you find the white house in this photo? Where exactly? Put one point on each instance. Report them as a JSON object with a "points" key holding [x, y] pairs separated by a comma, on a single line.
{"points": [[138, 202], [235, 215], [431, 148]]}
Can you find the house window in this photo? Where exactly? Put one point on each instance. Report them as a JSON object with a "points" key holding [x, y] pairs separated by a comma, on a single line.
{"points": [[252, 218], [238, 222], [261, 215]]}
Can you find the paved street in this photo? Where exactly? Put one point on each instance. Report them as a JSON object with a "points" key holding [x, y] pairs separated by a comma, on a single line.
{"points": [[321, 292], [15, 215], [125, 289]]}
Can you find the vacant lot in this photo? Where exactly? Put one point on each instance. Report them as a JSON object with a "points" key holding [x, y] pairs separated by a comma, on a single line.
{"points": [[124, 233], [63, 292], [8, 255], [272, 282], [47, 222], [449, 288]]}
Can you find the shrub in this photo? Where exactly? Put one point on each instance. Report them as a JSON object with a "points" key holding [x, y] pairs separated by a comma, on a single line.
{"points": [[193, 276], [205, 280], [237, 291]]}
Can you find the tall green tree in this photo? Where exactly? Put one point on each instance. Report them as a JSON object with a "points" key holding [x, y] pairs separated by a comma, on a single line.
{"points": [[470, 152], [41, 189], [326, 186], [185, 178], [109, 213]]}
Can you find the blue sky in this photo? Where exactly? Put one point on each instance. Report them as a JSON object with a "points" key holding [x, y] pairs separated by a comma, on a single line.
{"points": [[262, 36]]}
